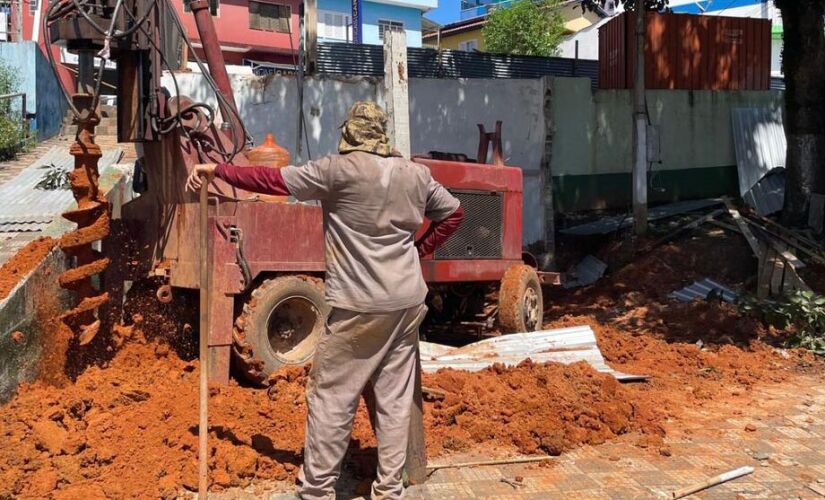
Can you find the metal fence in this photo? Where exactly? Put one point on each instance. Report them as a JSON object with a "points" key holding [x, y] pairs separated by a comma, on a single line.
{"points": [[368, 60]]}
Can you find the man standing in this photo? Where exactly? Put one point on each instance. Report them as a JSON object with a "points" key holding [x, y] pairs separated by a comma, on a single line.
{"points": [[373, 203]]}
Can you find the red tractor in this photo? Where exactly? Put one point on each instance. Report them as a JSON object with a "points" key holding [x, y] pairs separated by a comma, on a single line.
{"points": [[266, 256]]}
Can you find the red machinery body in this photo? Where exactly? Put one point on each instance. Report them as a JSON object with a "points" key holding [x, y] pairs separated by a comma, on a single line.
{"points": [[253, 243], [251, 240]]}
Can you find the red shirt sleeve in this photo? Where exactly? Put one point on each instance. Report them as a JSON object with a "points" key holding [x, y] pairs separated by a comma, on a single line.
{"points": [[263, 180], [439, 232]]}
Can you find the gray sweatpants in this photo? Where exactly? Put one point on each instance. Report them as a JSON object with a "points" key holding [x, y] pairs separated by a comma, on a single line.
{"points": [[357, 348]]}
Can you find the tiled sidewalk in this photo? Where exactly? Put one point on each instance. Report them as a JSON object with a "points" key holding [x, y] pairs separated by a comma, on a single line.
{"points": [[786, 447], [10, 168], [787, 450]]}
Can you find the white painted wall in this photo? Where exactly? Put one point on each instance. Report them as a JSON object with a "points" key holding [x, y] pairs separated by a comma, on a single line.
{"points": [[588, 40], [443, 117]]}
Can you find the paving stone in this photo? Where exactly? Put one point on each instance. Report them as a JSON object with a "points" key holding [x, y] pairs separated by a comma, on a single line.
{"points": [[576, 482]]}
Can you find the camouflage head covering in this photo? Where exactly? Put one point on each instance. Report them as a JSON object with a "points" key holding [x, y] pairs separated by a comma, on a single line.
{"points": [[365, 130]]}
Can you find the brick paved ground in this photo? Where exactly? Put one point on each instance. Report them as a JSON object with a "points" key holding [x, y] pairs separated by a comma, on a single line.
{"points": [[787, 449], [10, 168]]}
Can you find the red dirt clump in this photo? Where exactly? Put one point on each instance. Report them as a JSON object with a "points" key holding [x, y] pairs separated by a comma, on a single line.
{"points": [[23, 262]]}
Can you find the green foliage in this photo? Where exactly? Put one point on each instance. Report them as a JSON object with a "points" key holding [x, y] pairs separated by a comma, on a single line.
{"points": [[55, 178], [12, 136], [802, 312], [527, 28]]}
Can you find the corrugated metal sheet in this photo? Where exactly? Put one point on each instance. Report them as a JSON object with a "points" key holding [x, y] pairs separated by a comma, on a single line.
{"points": [[563, 345], [701, 289], [686, 51], [760, 145], [609, 224], [768, 195], [24, 208], [368, 60], [586, 272], [777, 83]]}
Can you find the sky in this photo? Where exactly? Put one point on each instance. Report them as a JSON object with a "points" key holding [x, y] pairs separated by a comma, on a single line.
{"points": [[448, 11]]}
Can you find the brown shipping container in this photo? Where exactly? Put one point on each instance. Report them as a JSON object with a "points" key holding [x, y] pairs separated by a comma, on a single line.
{"points": [[685, 51]]}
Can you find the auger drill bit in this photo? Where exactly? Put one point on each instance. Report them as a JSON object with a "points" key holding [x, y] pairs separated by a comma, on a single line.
{"points": [[92, 219]]}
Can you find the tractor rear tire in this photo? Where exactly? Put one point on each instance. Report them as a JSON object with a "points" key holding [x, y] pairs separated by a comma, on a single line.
{"points": [[520, 302], [280, 325]]}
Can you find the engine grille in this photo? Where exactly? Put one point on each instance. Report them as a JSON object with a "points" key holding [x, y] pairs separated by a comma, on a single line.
{"points": [[480, 235]]}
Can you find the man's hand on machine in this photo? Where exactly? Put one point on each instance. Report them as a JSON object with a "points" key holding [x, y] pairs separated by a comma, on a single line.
{"points": [[200, 172]]}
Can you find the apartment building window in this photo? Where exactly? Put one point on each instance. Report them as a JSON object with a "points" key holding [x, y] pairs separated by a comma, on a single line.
{"points": [[385, 25], [334, 25], [33, 4], [266, 16], [468, 46]]}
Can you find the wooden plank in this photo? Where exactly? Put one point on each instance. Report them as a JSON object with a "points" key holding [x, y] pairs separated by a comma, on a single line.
{"points": [[790, 241], [690, 225], [725, 225], [765, 269], [777, 273], [789, 234], [786, 254], [744, 229]]}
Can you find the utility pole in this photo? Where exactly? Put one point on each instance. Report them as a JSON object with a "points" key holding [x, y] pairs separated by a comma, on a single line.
{"points": [[311, 34], [640, 127], [397, 90], [302, 44]]}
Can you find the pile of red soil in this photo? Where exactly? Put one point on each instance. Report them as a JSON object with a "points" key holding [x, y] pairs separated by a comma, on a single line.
{"points": [[536, 408], [695, 352], [130, 428], [22, 263]]}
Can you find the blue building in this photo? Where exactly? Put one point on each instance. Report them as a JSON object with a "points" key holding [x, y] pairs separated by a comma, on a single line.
{"points": [[335, 19]]}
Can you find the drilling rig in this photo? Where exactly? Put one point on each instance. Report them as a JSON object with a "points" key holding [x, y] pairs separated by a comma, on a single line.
{"points": [[266, 305]]}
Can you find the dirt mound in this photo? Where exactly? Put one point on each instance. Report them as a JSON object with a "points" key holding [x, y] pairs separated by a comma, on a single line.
{"points": [[131, 427], [127, 425], [23, 262], [535, 408]]}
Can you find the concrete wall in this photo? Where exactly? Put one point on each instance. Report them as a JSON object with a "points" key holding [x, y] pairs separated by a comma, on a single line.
{"points": [[443, 117], [30, 309], [34, 304], [38, 81], [592, 143], [590, 154]]}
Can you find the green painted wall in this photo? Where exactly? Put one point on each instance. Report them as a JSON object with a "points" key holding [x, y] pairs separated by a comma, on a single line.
{"points": [[592, 143]]}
